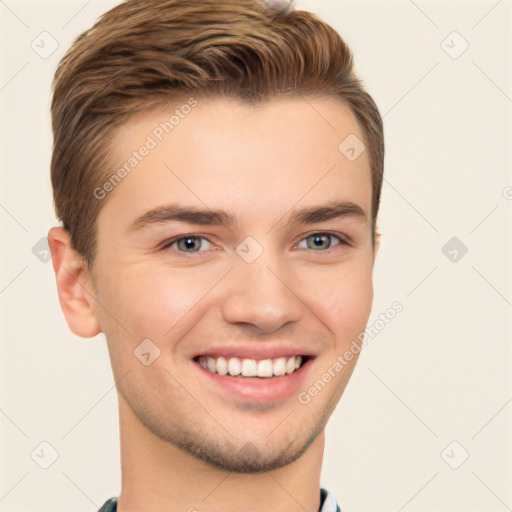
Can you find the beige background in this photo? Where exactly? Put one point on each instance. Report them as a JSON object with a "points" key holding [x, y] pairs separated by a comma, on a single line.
{"points": [[438, 373]]}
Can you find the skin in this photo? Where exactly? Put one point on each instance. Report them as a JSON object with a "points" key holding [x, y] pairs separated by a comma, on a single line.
{"points": [[184, 444]]}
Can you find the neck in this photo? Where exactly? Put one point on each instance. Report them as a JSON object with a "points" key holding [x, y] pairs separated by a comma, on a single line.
{"points": [[158, 476]]}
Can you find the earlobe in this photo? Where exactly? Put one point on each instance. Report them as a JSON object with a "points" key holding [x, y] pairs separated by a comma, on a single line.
{"points": [[73, 286]]}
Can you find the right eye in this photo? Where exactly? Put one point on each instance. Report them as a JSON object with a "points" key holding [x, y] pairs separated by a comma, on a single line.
{"points": [[189, 244]]}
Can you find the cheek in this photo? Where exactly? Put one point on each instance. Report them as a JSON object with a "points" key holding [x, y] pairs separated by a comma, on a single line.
{"points": [[149, 303], [343, 301]]}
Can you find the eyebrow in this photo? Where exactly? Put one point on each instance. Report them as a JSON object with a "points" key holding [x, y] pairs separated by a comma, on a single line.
{"points": [[189, 214], [327, 212], [210, 217]]}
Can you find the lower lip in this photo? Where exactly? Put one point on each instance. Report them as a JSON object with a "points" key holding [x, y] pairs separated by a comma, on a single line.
{"points": [[270, 389]]}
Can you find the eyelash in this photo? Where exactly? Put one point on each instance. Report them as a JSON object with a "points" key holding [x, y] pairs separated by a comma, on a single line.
{"points": [[342, 242]]}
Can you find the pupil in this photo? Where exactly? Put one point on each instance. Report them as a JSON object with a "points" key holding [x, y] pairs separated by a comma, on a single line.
{"points": [[320, 240], [189, 243]]}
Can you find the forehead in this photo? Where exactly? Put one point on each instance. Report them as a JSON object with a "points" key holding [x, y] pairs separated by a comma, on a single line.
{"points": [[220, 152]]}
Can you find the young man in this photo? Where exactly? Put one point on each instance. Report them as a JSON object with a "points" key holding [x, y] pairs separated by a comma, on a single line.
{"points": [[217, 167]]}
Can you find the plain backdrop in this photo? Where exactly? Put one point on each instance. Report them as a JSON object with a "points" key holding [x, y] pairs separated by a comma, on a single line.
{"points": [[425, 422]]}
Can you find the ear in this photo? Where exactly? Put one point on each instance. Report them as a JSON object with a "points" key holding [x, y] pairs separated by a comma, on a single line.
{"points": [[73, 285]]}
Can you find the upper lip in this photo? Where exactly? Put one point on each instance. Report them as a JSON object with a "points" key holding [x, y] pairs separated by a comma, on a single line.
{"points": [[255, 351]]}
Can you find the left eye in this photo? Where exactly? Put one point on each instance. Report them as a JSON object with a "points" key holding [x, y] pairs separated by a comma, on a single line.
{"points": [[320, 241]]}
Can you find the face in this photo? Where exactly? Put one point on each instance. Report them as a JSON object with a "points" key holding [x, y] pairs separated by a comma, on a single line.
{"points": [[240, 240]]}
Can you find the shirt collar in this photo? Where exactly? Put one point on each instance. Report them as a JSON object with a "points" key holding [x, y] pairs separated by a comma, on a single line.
{"points": [[329, 504]]}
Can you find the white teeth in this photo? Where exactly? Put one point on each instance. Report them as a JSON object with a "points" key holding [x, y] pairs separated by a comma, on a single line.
{"points": [[265, 368], [221, 366], [236, 366], [280, 366], [210, 362], [249, 368]]}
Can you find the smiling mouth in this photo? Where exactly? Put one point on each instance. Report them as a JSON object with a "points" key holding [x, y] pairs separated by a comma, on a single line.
{"points": [[252, 368]]}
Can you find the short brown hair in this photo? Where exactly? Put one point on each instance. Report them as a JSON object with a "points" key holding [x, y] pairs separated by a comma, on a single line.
{"points": [[143, 54]]}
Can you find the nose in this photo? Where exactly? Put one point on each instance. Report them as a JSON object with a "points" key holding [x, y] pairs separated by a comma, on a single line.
{"points": [[261, 294]]}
